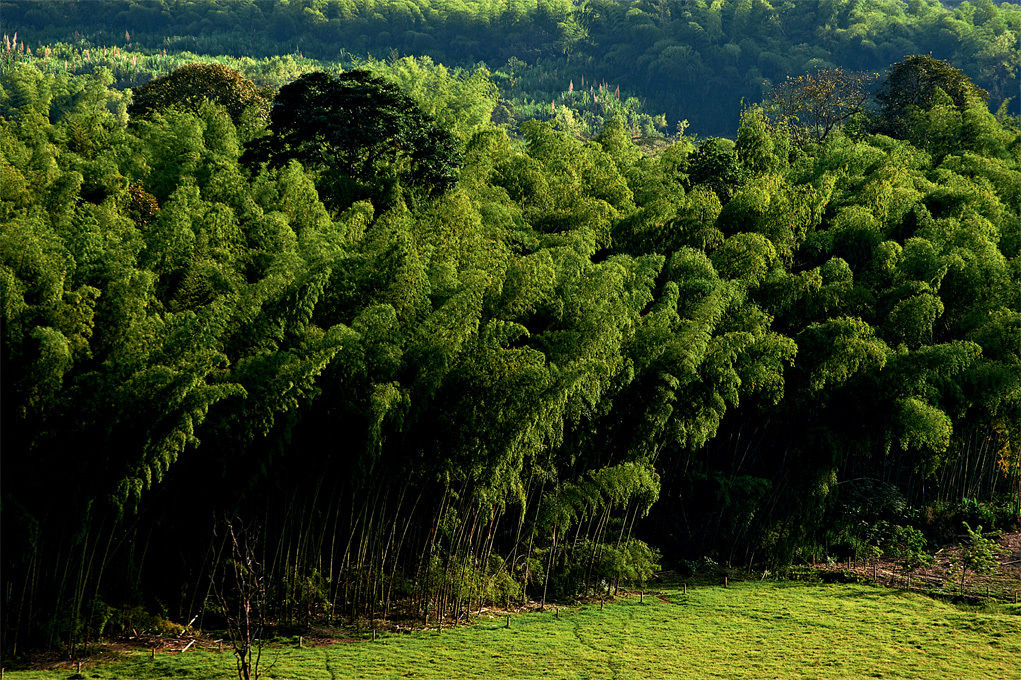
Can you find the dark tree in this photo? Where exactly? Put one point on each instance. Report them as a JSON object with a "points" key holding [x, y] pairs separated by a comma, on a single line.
{"points": [[913, 84], [362, 136], [715, 164], [193, 84]]}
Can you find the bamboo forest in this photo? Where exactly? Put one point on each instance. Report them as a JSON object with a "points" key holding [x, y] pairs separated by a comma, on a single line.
{"points": [[376, 313]]}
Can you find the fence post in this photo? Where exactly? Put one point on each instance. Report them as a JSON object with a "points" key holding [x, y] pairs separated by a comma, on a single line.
{"points": [[508, 620], [685, 588]]}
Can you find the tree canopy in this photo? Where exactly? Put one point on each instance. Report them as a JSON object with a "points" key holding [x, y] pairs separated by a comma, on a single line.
{"points": [[193, 84], [690, 59], [540, 376], [361, 135]]}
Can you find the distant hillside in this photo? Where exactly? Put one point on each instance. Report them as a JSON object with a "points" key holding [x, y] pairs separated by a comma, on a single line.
{"points": [[691, 59]]}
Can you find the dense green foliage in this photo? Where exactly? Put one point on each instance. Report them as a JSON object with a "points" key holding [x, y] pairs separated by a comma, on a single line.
{"points": [[193, 84], [360, 135], [474, 387], [461, 99], [692, 59]]}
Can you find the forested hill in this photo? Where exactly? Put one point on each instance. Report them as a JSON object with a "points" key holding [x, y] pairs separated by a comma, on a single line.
{"points": [[690, 59], [418, 364]]}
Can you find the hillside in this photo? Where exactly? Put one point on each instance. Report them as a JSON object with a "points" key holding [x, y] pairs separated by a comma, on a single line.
{"points": [[689, 59]]}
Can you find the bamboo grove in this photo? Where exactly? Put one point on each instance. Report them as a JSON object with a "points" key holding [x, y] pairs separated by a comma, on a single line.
{"points": [[690, 59], [430, 364]]}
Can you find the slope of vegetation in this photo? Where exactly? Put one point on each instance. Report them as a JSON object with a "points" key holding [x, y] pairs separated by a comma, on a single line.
{"points": [[419, 364], [691, 59], [749, 629]]}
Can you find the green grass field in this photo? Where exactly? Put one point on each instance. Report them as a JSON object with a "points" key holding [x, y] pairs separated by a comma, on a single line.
{"points": [[750, 630]]}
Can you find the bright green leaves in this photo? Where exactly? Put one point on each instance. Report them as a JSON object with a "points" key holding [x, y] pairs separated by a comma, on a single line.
{"points": [[911, 320], [714, 164], [608, 487], [772, 207], [936, 129], [461, 101], [762, 147], [129, 325], [190, 86], [837, 350], [579, 190], [922, 426], [441, 336], [701, 346], [570, 318], [51, 360], [174, 146], [528, 283], [745, 256]]}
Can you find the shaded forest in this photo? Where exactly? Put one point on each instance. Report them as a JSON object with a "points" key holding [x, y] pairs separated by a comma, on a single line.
{"points": [[429, 361], [689, 59]]}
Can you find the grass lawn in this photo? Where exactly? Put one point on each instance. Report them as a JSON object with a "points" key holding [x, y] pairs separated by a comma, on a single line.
{"points": [[749, 630]]}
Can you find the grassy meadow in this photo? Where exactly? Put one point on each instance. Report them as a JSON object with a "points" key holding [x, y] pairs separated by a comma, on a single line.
{"points": [[749, 630]]}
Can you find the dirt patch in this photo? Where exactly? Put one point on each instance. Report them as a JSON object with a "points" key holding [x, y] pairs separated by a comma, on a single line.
{"points": [[943, 575]]}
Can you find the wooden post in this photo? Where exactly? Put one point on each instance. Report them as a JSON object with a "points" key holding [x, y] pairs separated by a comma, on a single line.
{"points": [[1015, 597], [373, 634], [724, 581], [557, 614], [641, 598], [299, 642], [78, 665], [685, 588], [154, 653], [508, 620], [875, 571]]}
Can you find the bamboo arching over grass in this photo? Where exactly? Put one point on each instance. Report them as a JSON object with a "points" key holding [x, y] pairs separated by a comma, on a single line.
{"points": [[433, 398]]}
